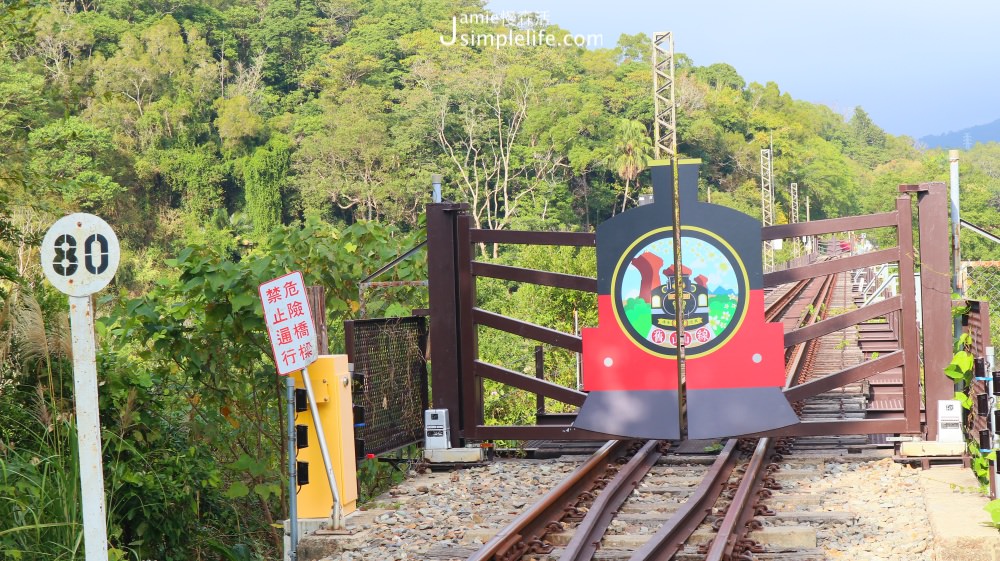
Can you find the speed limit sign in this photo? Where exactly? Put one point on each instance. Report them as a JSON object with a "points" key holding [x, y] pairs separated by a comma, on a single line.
{"points": [[80, 254]]}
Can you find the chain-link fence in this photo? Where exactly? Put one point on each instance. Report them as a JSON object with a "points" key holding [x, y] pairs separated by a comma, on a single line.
{"points": [[390, 381], [981, 280]]}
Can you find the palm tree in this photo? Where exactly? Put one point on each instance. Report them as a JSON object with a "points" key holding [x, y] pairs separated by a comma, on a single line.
{"points": [[632, 151]]}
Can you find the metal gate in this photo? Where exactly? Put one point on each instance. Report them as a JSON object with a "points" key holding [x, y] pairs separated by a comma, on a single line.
{"points": [[390, 381], [457, 372]]}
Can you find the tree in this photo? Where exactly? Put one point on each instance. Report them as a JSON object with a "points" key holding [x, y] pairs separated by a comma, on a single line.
{"points": [[21, 102], [73, 156], [721, 75], [867, 141], [236, 122], [632, 152], [263, 178], [476, 115]]}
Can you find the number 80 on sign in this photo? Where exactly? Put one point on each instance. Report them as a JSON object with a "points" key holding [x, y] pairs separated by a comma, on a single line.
{"points": [[80, 254]]}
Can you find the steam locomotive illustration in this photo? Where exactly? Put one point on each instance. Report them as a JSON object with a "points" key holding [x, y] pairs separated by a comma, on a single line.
{"points": [[733, 359], [662, 299]]}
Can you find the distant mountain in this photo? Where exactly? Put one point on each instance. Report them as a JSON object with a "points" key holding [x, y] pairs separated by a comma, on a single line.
{"points": [[964, 138], [719, 291]]}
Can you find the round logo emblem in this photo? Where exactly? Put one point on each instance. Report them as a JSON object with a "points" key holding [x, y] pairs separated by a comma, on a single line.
{"points": [[713, 292]]}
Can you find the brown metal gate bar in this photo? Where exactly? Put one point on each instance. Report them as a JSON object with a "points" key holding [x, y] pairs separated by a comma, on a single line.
{"points": [[907, 357]]}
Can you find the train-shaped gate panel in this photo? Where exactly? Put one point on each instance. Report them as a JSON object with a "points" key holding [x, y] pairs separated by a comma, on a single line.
{"points": [[733, 359]]}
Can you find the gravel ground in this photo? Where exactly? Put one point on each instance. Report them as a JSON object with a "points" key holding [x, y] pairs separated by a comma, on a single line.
{"points": [[886, 497], [438, 511], [447, 515]]}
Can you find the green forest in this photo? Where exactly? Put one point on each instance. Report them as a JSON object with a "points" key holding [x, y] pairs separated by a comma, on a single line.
{"points": [[230, 141]]}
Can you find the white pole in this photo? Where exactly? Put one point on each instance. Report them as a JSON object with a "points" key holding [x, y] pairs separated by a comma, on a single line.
{"points": [[338, 517], [88, 429], [436, 187]]}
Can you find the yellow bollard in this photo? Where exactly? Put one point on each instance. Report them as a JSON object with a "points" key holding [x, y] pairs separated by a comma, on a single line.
{"points": [[331, 383]]}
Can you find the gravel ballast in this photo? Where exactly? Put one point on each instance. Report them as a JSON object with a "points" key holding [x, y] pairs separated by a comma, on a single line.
{"points": [[448, 515]]}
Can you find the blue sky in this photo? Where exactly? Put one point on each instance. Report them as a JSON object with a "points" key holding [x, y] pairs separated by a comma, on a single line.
{"points": [[918, 67]]}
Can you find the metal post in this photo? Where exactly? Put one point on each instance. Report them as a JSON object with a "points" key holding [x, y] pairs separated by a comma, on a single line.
{"points": [[293, 507], [813, 242], [956, 252], [436, 186], [540, 374], [579, 363], [338, 517], [442, 289], [88, 428], [935, 295], [990, 421]]}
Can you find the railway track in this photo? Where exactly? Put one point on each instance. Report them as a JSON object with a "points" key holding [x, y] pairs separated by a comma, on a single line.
{"points": [[646, 501]]}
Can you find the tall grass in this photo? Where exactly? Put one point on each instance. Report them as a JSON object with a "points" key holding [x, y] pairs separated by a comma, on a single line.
{"points": [[40, 516], [40, 510]]}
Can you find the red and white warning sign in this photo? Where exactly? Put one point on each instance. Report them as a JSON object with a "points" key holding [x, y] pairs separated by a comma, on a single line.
{"points": [[289, 324]]}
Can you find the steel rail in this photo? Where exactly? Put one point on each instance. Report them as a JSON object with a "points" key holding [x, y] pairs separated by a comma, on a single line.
{"points": [[735, 525], [781, 305], [798, 357], [670, 538], [742, 509], [590, 530], [524, 534], [676, 531]]}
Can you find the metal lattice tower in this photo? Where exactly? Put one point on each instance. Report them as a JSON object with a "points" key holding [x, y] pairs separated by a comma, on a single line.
{"points": [[795, 215], [665, 123], [767, 205], [795, 202]]}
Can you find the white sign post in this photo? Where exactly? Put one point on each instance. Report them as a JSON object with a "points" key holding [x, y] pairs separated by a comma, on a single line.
{"points": [[80, 255], [293, 340]]}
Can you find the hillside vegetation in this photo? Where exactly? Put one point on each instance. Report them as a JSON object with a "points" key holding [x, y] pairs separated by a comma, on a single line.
{"points": [[229, 141]]}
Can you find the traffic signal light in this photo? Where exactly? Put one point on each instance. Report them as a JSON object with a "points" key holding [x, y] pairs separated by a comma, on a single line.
{"points": [[302, 473]]}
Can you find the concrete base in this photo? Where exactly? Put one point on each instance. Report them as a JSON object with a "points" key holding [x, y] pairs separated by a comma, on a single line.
{"points": [[961, 528], [929, 448], [454, 455], [306, 526]]}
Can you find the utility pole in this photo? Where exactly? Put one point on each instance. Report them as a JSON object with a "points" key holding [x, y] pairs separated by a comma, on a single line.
{"points": [[956, 222]]}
